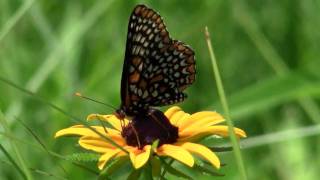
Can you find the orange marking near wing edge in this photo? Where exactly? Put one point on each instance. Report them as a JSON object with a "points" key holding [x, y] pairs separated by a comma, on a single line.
{"points": [[137, 10], [181, 88], [136, 61], [191, 69], [134, 77], [143, 84], [157, 78], [190, 60]]}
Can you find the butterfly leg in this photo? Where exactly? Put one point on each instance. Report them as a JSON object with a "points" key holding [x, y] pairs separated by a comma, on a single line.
{"points": [[136, 134]]}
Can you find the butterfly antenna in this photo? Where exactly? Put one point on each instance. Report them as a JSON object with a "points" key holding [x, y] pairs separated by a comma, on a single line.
{"points": [[96, 101]]}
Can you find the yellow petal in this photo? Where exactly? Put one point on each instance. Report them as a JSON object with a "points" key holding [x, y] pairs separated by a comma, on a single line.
{"points": [[179, 120], [177, 153], [201, 119], [98, 144], [172, 111], [140, 157], [199, 132], [202, 151], [112, 119], [106, 157], [80, 130], [75, 130], [177, 117]]}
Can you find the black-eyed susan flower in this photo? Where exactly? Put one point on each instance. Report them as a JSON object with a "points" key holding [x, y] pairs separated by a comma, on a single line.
{"points": [[190, 128]]}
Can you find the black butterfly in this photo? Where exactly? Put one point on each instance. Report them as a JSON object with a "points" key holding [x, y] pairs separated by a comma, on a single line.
{"points": [[156, 68]]}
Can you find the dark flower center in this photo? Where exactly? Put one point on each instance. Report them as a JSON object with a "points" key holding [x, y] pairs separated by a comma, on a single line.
{"points": [[146, 128]]}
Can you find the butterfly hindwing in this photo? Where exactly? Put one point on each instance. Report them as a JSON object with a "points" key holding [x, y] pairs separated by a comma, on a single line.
{"points": [[156, 69]]}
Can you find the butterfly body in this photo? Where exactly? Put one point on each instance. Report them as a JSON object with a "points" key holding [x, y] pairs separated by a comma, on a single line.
{"points": [[156, 68]]}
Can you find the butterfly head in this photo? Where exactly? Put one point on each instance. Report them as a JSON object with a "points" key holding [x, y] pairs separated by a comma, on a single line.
{"points": [[120, 113]]}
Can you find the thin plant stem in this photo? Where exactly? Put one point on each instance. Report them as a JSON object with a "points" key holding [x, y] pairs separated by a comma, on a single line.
{"points": [[223, 99], [13, 162], [165, 170], [15, 18], [271, 56], [281, 136], [55, 57], [62, 111], [16, 150]]}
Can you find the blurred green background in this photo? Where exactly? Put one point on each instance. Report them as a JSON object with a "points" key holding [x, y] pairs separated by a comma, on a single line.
{"points": [[268, 54]]}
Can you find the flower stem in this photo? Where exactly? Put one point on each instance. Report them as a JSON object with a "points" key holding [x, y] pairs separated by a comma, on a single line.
{"points": [[15, 18], [61, 111], [224, 103], [21, 164]]}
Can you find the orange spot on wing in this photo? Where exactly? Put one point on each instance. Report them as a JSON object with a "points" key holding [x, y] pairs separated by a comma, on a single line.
{"points": [[137, 10], [158, 20], [136, 61], [161, 26], [192, 78], [190, 60], [150, 14], [164, 32], [144, 13], [134, 98], [181, 88], [191, 69], [143, 84], [188, 52], [181, 47], [134, 77], [157, 78], [155, 16]]}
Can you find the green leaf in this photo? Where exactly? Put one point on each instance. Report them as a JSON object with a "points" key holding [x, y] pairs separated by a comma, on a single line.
{"points": [[154, 145], [202, 170], [156, 167], [112, 167], [5, 152], [221, 149], [135, 174], [174, 171], [271, 92], [83, 157], [147, 175], [20, 163]]}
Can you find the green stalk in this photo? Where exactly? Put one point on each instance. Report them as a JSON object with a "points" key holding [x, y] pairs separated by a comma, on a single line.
{"points": [[23, 168], [223, 99], [271, 56], [62, 111], [15, 18]]}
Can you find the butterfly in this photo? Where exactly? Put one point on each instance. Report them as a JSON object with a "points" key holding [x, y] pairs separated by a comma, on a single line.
{"points": [[156, 69]]}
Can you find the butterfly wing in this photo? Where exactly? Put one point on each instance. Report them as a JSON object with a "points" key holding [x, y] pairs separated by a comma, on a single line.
{"points": [[156, 69]]}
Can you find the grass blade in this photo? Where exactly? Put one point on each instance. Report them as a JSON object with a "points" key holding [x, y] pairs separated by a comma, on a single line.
{"points": [[174, 171], [225, 107], [15, 18], [66, 43], [47, 174], [5, 152], [280, 136], [21, 161], [261, 96], [62, 111], [271, 56]]}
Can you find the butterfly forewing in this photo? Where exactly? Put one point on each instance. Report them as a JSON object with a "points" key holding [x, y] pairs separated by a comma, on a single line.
{"points": [[156, 69]]}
